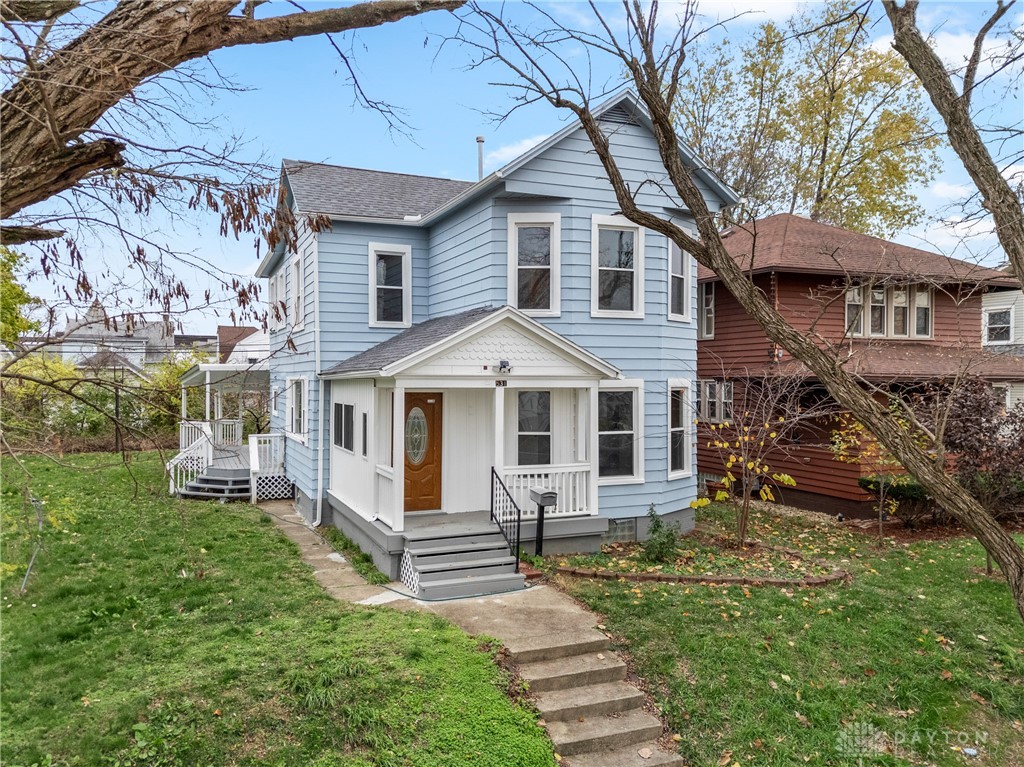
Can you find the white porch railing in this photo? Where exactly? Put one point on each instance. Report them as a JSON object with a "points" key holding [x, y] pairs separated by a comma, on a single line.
{"points": [[571, 481], [223, 432], [194, 458], [266, 467]]}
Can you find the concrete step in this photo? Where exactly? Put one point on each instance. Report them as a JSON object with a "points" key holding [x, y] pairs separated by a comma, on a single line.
{"points": [[560, 645], [574, 671], [629, 757], [590, 701], [603, 732], [479, 585], [439, 571]]}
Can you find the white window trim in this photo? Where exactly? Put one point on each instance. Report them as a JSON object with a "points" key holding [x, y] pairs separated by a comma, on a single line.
{"points": [[888, 308], [275, 391], [297, 436], [719, 398], [685, 385], [553, 220], [984, 326], [702, 328], [911, 307], [405, 251], [636, 385], [688, 275], [297, 299], [1006, 386], [549, 433], [915, 290], [846, 308], [617, 222], [334, 426]]}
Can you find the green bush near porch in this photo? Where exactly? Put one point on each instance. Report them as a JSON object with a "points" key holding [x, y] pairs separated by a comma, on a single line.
{"points": [[165, 632]]}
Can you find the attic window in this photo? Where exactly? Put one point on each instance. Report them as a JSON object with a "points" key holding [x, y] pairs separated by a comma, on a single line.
{"points": [[618, 115]]}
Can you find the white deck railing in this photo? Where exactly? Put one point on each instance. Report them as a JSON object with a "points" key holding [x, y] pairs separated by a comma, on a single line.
{"points": [[571, 481], [266, 461], [194, 458], [225, 432]]}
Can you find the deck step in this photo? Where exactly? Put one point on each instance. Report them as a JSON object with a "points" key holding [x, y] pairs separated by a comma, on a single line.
{"points": [[613, 731], [217, 471], [589, 701], [478, 585], [416, 548], [629, 757], [438, 571], [220, 496], [574, 671]]}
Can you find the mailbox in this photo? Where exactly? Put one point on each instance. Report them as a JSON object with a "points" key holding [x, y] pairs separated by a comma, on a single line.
{"points": [[542, 497]]}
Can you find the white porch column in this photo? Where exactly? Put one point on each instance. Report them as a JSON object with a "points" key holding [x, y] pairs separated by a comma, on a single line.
{"points": [[206, 388], [499, 431], [592, 449], [218, 404], [398, 458], [184, 403]]}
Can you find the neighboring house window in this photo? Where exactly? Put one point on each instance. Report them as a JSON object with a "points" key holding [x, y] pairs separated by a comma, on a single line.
{"points": [[619, 416], [298, 288], [998, 326], [297, 407], [923, 312], [617, 274], [680, 418], [534, 428], [877, 312], [390, 285], [714, 403], [678, 283], [366, 439], [534, 252], [706, 310], [855, 311], [344, 426], [900, 312], [1002, 393]]}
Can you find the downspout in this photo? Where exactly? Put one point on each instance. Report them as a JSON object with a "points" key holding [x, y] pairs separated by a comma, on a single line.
{"points": [[316, 361]]}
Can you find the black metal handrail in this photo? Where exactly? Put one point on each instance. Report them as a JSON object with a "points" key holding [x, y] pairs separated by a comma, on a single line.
{"points": [[506, 514]]}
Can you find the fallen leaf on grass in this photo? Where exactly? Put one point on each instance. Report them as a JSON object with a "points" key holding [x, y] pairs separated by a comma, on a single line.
{"points": [[869, 672], [946, 675], [978, 699], [802, 719]]}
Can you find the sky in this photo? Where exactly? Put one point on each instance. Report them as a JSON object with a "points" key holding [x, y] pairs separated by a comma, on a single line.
{"points": [[296, 102]]}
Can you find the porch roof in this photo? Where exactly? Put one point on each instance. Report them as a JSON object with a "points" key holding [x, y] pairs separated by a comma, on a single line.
{"points": [[426, 339], [235, 376]]}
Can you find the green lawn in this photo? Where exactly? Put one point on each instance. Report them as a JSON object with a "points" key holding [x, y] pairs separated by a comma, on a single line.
{"points": [[162, 632], [921, 653]]}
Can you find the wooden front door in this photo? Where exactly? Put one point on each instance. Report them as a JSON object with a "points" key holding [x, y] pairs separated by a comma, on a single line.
{"points": [[422, 451]]}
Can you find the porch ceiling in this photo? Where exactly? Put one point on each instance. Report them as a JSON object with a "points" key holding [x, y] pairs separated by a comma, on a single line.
{"points": [[237, 376]]}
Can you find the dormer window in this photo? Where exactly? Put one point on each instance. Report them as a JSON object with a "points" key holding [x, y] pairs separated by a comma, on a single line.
{"points": [[534, 255], [390, 285]]}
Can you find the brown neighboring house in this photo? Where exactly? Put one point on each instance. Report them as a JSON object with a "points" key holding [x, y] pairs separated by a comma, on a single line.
{"points": [[229, 336], [896, 315]]}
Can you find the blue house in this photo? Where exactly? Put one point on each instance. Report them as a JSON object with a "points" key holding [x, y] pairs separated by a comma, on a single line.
{"points": [[447, 346]]}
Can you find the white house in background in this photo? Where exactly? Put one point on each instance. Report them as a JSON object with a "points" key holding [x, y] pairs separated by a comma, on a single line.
{"points": [[1002, 331], [449, 345]]}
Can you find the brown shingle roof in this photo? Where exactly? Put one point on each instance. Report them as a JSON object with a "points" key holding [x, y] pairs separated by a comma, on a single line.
{"points": [[789, 243], [908, 361], [228, 337]]}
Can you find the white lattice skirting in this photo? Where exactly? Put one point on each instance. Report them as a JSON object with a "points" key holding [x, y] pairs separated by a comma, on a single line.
{"points": [[272, 487], [408, 574]]}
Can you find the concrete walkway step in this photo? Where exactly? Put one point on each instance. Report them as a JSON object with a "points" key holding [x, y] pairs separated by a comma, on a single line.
{"points": [[590, 701], [551, 645], [603, 732], [629, 757], [574, 671]]}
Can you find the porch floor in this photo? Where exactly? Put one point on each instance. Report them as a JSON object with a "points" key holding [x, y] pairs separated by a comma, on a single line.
{"points": [[428, 524], [231, 457]]}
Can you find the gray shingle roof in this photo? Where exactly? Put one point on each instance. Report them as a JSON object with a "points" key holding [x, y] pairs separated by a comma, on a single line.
{"points": [[409, 342], [340, 191]]}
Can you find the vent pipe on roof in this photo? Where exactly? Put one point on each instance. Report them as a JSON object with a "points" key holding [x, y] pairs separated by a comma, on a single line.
{"points": [[479, 157]]}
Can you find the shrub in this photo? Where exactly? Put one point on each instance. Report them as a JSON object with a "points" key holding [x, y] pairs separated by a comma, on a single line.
{"points": [[912, 502], [662, 541]]}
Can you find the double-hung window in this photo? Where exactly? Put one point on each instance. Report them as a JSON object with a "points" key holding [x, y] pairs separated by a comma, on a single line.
{"points": [[296, 423], [298, 288], [390, 285], [714, 401], [680, 419], [998, 326], [877, 312], [534, 247], [678, 283], [892, 312], [619, 435], [900, 312], [617, 276], [922, 312], [706, 310], [344, 426], [534, 428], [855, 311]]}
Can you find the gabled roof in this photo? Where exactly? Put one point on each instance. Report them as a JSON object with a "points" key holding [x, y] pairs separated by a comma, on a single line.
{"points": [[345, 192], [789, 243], [434, 336], [229, 336], [106, 359]]}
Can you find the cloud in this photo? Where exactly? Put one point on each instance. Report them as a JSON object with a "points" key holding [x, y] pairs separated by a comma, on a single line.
{"points": [[946, 191], [505, 154]]}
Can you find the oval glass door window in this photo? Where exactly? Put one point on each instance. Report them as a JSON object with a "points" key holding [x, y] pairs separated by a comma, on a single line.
{"points": [[416, 436]]}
